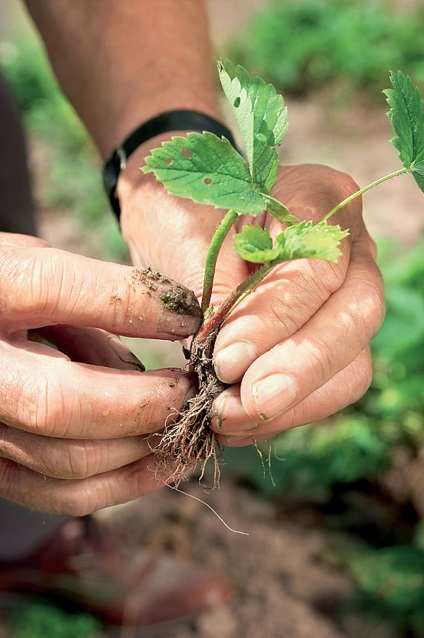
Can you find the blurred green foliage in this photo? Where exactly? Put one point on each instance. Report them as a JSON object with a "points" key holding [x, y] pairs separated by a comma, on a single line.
{"points": [[42, 620], [71, 178], [391, 582], [300, 45]]}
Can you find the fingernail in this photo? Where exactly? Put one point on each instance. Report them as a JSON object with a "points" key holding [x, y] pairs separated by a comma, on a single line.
{"points": [[273, 395], [182, 315], [178, 326], [124, 353], [232, 361], [225, 405], [234, 441], [229, 415], [192, 392]]}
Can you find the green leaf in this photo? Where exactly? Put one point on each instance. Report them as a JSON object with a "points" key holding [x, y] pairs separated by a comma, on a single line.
{"points": [[278, 210], [304, 240], [319, 241], [407, 118], [254, 244], [261, 116], [206, 169]]}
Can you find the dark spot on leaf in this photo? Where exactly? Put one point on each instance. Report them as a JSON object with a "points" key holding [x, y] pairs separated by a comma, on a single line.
{"points": [[207, 181], [186, 152], [236, 102], [169, 160]]}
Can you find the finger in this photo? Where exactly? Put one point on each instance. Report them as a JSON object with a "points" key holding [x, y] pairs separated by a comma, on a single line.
{"points": [[16, 239], [345, 388], [43, 286], [277, 309], [326, 344], [334, 335], [67, 458], [41, 391], [312, 190], [89, 345], [79, 497], [295, 291]]}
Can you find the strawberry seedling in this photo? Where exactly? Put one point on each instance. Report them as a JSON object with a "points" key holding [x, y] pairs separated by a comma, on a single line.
{"points": [[208, 170]]}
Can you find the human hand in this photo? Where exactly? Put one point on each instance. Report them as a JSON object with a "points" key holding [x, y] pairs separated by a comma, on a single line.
{"points": [[296, 350], [76, 415]]}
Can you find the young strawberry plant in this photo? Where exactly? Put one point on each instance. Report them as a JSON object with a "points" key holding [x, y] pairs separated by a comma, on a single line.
{"points": [[209, 170]]}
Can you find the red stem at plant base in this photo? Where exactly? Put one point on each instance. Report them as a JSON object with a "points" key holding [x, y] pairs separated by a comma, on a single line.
{"points": [[233, 299]]}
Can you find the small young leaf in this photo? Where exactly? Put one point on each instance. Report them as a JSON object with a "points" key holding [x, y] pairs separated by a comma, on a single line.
{"points": [[261, 116], [278, 210], [254, 244], [407, 118], [206, 169], [319, 241], [304, 240]]}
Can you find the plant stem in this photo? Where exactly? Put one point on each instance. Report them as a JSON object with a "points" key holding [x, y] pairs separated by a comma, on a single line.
{"points": [[349, 199], [234, 298], [212, 256]]}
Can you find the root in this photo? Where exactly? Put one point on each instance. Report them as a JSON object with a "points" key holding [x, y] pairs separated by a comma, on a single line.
{"points": [[190, 442]]}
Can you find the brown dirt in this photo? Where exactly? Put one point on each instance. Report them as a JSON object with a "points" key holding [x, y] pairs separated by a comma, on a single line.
{"points": [[282, 586]]}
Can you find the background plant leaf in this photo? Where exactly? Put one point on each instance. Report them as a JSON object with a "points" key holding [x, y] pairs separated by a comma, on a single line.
{"points": [[261, 116], [206, 169], [407, 118]]}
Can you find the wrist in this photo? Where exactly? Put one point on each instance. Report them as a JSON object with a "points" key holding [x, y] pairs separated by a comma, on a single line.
{"points": [[148, 136], [131, 177]]}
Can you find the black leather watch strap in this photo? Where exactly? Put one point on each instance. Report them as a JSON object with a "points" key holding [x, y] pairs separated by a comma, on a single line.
{"points": [[171, 121]]}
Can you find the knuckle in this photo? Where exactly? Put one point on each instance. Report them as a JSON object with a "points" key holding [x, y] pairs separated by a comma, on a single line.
{"points": [[370, 245], [322, 356], [288, 308], [12, 268], [62, 459], [347, 184], [28, 278], [83, 459], [369, 313], [361, 375], [48, 409], [316, 282]]}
